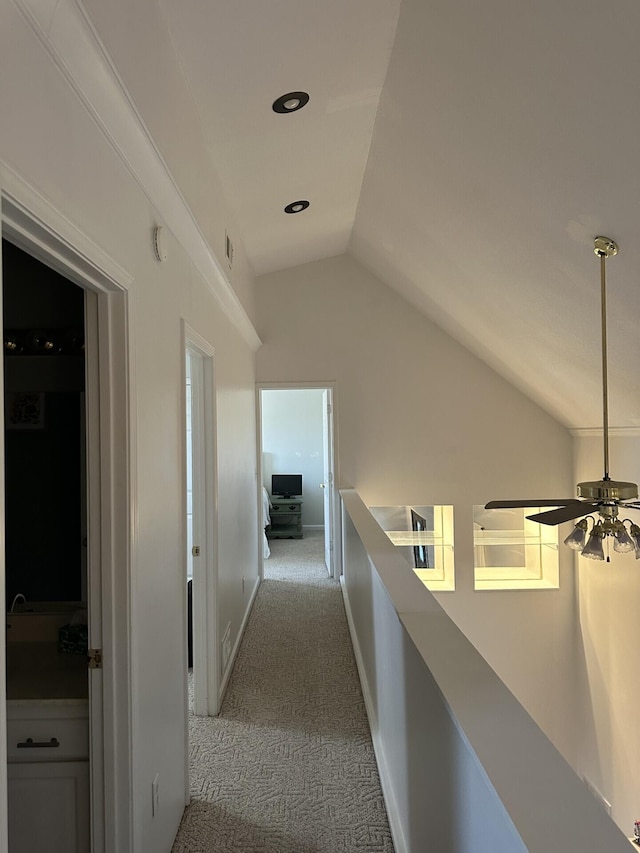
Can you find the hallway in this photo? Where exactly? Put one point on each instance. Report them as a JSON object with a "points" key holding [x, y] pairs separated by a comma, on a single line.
{"points": [[288, 766]]}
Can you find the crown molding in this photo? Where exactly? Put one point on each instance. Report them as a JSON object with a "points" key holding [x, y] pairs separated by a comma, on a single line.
{"points": [[39, 228], [69, 36]]}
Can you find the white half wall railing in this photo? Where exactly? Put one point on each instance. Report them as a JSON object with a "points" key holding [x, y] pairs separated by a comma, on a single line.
{"points": [[463, 766]]}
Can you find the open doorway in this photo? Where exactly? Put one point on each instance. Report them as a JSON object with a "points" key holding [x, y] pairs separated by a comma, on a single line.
{"points": [[46, 318], [297, 439], [79, 770]]}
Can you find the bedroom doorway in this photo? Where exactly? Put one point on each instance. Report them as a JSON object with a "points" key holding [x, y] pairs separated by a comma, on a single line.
{"points": [[296, 436]]}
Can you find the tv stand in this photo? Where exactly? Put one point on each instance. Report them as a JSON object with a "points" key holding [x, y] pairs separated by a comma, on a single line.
{"points": [[286, 518]]}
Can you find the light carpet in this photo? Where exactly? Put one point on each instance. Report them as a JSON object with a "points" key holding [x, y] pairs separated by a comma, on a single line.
{"points": [[288, 765]]}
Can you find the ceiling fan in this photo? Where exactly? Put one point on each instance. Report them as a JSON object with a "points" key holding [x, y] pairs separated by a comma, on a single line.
{"points": [[606, 497]]}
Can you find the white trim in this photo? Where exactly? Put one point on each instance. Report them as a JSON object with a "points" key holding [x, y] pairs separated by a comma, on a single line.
{"points": [[302, 386], [81, 57], [4, 813], [206, 641], [386, 783], [120, 524], [93, 496], [232, 657], [33, 224], [335, 521], [614, 432], [36, 226], [201, 587], [205, 618]]}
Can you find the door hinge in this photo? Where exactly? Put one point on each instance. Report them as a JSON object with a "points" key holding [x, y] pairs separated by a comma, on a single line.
{"points": [[95, 658], [195, 551]]}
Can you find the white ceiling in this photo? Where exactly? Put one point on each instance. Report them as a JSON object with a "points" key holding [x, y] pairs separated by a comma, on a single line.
{"points": [[507, 136], [239, 57]]}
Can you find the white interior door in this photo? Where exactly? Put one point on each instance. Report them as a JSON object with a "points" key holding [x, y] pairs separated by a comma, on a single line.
{"points": [[196, 544], [327, 455], [200, 504], [94, 546]]}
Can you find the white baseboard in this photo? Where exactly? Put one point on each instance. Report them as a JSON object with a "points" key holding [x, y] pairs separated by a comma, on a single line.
{"points": [[388, 793], [232, 657]]}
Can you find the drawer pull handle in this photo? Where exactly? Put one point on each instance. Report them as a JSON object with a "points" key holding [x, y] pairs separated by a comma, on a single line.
{"points": [[30, 743]]}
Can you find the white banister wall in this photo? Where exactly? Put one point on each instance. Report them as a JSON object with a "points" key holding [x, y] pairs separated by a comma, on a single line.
{"points": [[463, 766]]}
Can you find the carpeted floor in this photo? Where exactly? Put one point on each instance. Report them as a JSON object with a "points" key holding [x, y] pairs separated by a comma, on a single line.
{"points": [[288, 766]]}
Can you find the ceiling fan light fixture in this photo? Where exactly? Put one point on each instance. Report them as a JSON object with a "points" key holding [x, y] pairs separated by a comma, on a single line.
{"points": [[622, 543], [594, 550], [578, 536], [634, 534], [606, 496], [608, 490]]}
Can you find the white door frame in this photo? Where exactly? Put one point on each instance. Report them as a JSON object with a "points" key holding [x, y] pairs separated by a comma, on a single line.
{"points": [[35, 226], [334, 520], [205, 567], [328, 476]]}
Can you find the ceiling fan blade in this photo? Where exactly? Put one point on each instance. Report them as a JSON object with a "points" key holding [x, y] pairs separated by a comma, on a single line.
{"points": [[565, 513], [525, 503]]}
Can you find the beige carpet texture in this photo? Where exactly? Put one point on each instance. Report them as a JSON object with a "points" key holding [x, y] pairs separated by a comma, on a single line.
{"points": [[288, 766]]}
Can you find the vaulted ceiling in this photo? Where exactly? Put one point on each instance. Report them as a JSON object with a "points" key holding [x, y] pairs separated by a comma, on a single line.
{"points": [[467, 153]]}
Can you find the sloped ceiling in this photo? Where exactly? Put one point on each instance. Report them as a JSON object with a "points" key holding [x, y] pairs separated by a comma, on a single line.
{"points": [[467, 153], [238, 57], [506, 139]]}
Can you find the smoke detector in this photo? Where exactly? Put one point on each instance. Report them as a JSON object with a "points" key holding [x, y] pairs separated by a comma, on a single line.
{"points": [[160, 244]]}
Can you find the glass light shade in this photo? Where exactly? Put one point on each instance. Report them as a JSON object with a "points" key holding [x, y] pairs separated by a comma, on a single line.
{"points": [[577, 538], [623, 543], [593, 550], [634, 533]]}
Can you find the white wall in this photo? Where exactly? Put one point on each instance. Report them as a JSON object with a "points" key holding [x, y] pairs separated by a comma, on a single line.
{"points": [[419, 421], [462, 765], [49, 138], [292, 444], [609, 747], [140, 44]]}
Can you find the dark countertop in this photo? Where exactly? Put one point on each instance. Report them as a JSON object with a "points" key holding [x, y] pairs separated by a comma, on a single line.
{"points": [[40, 671]]}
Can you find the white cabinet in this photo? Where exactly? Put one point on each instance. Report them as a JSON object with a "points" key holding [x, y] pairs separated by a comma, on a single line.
{"points": [[49, 807], [48, 776]]}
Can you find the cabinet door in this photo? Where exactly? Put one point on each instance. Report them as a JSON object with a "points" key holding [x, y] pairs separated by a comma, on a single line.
{"points": [[49, 807]]}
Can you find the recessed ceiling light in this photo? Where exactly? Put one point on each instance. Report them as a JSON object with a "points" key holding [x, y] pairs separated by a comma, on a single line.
{"points": [[296, 206], [290, 102]]}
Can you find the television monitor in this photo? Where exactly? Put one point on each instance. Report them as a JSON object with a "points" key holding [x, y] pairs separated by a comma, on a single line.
{"points": [[286, 485]]}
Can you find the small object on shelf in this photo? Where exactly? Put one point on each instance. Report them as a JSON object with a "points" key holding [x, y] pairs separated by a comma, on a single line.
{"points": [[73, 639], [636, 831]]}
